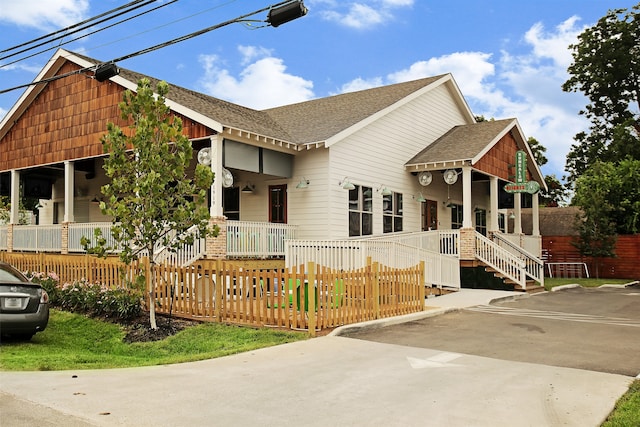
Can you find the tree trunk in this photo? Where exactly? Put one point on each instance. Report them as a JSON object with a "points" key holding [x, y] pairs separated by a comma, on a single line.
{"points": [[152, 295]]}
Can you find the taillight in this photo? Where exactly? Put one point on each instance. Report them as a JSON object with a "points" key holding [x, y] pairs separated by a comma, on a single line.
{"points": [[44, 297]]}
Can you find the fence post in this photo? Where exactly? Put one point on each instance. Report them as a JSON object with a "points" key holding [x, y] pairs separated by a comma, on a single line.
{"points": [[375, 284], [311, 268], [421, 283], [219, 291]]}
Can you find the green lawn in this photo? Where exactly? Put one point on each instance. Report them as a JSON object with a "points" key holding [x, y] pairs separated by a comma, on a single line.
{"points": [[73, 341], [627, 410]]}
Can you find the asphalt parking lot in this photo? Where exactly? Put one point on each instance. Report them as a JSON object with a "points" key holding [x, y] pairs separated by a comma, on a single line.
{"points": [[591, 329]]}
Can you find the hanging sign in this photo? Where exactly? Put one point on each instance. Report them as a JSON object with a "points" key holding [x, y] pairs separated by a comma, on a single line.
{"points": [[522, 185]]}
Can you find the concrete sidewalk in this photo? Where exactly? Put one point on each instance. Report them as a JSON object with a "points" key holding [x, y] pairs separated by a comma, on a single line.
{"points": [[330, 380]]}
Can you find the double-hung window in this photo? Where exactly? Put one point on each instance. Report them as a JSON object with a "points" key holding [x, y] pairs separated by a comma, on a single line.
{"points": [[360, 211], [392, 213], [456, 216]]}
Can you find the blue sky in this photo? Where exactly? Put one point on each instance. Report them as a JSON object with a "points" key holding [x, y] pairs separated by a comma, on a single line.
{"points": [[508, 57]]}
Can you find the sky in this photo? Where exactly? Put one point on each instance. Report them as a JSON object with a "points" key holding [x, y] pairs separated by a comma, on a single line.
{"points": [[508, 57]]}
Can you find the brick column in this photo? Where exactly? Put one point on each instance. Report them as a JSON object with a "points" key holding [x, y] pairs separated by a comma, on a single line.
{"points": [[64, 239], [216, 247], [467, 244]]}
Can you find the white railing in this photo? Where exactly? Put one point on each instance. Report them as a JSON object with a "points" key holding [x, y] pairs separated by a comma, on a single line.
{"points": [[186, 253], [445, 242], [40, 238], [440, 269], [258, 239], [534, 267], [86, 229], [501, 260], [3, 237]]}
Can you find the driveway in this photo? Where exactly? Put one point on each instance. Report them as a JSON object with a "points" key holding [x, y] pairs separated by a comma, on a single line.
{"points": [[593, 329]]}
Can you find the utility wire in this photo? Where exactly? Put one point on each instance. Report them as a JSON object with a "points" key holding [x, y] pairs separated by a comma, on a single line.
{"points": [[80, 29], [85, 35], [73, 26], [242, 18]]}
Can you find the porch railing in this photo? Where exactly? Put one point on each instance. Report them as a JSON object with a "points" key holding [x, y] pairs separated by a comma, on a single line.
{"points": [[86, 229], [257, 239], [46, 238], [3, 237], [501, 260], [396, 251], [534, 266]]}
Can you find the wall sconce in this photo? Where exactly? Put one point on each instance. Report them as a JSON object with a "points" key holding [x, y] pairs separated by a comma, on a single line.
{"points": [[512, 215], [385, 191], [420, 198], [248, 188], [346, 184], [304, 183]]}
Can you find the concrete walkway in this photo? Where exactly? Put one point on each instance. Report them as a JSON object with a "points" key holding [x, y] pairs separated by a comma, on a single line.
{"points": [[330, 380]]}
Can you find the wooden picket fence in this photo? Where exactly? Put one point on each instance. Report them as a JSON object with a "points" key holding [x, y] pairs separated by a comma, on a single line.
{"points": [[307, 297]]}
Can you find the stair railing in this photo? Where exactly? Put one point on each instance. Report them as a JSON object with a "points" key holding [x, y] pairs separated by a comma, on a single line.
{"points": [[534, 266], [501, 260]]}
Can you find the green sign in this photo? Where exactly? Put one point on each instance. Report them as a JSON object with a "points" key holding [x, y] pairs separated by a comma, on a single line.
{"points": [[522, 185]]}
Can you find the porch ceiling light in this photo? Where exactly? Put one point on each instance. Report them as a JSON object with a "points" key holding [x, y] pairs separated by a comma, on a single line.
{"points": [[248, 188], [346, 184], [304, 183]]}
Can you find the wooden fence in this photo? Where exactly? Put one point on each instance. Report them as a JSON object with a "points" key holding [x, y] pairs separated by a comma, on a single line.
{"points": [[308, 297]]}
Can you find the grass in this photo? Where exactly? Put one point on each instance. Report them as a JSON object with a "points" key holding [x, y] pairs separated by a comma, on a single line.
{"points": [[627, 410], [587, 283], [72, 341]]}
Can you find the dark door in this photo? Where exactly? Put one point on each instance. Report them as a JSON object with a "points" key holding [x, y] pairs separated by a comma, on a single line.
{"points": [[278, 203], [430, 215]]}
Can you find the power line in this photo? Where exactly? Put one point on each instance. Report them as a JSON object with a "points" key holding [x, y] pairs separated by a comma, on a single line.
{"points": [[284, 13], [85, 35], [74, 25]]}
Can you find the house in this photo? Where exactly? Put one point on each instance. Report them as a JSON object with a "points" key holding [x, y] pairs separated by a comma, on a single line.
{"points": [[384, 163]]}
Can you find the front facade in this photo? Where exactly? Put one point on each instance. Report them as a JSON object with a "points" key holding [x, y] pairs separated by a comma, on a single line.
{"points": [[403, 158]]}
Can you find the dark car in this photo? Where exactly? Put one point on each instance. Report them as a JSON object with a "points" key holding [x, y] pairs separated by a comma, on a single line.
{"points": [[24, 306]]}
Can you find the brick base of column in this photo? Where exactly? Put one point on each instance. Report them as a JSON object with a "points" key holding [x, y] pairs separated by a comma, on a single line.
{"points": [[9, 237], [467, 243], [64, 243], [216, 247]]}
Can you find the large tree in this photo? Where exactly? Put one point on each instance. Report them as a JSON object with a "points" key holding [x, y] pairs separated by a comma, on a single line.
{"points": [[153, 200], [606, 68]]}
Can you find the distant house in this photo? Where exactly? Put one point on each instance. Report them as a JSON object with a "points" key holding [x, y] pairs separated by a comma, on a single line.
{"points": [[379, 163]]}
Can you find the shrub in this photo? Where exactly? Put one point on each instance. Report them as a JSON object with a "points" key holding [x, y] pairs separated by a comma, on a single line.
{"points": [[93, 299]]}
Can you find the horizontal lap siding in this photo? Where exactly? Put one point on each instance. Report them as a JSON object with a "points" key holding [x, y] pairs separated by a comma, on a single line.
{"points": [[66, 121], [624, 266]]}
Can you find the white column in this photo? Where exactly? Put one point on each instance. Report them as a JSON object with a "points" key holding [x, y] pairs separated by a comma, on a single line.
{"points": [[467, 222], [215, 209], [14, 214], [493, 203], [535, 215], [69, 173], [517, 207]]}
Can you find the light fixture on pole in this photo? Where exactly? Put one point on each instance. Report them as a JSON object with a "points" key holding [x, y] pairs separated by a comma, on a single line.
{"points": [[106, 71], [288, 12]]}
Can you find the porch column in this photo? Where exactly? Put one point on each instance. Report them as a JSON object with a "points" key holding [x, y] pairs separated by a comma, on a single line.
{"points": [[517, 207], [14, 213], [467, 222], [216, 247], [493, 204], [215, 209], [69, 172], [535, 215]]}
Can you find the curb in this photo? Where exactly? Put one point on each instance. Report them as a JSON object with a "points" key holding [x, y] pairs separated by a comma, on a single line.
{"points": [[575, 285]]}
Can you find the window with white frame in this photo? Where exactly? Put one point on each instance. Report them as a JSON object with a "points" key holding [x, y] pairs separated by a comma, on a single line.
{"points": [[481, 221], [456, 216], [392, 213], [360, 211]]}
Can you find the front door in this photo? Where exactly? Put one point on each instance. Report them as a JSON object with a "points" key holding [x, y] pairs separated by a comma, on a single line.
{"points": [[278, 204], [430, 215]]}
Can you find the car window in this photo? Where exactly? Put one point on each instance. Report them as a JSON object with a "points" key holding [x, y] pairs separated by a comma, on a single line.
{"points": [[7, 276]]}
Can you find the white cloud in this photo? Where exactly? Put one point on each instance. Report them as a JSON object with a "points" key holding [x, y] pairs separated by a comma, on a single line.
{"points": [[45, 15], [363, 14], [262, 84]]}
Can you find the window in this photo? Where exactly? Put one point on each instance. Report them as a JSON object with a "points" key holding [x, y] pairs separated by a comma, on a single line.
{"points": [[231, 203], [360, 211], [278, 204], [481, 221], [456, 216], [392, 213], [502, 222]]}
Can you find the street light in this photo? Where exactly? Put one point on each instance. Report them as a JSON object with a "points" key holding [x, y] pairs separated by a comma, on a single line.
{"points": [[283, 14]]}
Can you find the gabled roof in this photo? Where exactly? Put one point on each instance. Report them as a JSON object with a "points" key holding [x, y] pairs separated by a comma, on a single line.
{"points": [[469, 143], [319, 121]]}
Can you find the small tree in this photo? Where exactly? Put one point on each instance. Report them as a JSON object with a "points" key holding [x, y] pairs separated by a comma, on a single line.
{"points": [[596, 229], [151, 199]]}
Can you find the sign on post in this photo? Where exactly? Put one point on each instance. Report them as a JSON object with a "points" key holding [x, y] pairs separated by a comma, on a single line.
{"points": [[522, 185]]}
